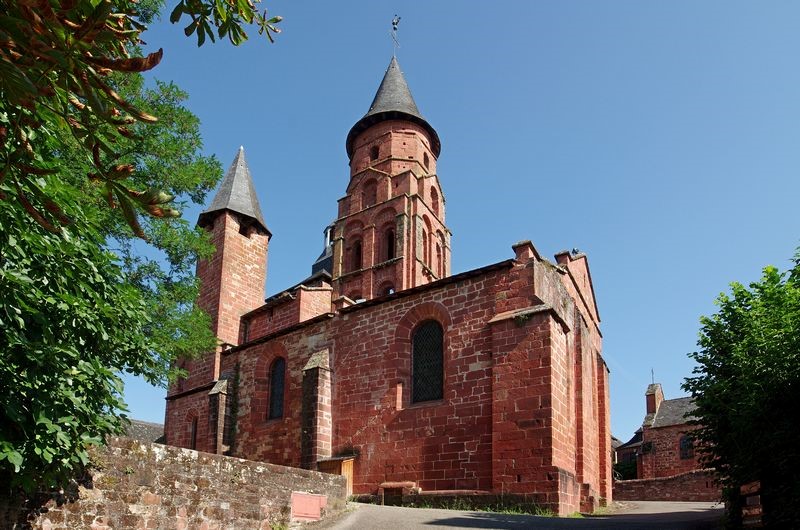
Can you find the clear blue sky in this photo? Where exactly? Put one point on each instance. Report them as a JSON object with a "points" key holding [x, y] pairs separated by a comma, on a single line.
{"points": [[661, 138]]}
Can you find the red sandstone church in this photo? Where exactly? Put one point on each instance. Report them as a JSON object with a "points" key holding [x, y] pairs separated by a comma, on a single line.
{"points": [[382, 363]]}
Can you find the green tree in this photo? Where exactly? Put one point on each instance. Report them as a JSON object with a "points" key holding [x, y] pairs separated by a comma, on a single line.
{"points": [[744, 386], [93, 163]]}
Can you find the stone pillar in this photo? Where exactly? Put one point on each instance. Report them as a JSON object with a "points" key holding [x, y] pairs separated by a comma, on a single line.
{"points": [[316, 435], [217, 403]]}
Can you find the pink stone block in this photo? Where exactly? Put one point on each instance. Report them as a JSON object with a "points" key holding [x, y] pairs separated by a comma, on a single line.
{"points": [[307, 506]]}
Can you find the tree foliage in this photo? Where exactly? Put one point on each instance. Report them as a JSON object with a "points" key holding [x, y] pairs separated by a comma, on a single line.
{"points": [[69, 323], [93, 163], [744, 386]]}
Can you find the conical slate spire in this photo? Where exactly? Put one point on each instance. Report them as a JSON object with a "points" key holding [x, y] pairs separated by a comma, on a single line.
{"points": [[236, 193], [392, 101]]}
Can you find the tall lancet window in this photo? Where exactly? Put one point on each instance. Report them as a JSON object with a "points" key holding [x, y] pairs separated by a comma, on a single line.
{"points": [[277, 376]]}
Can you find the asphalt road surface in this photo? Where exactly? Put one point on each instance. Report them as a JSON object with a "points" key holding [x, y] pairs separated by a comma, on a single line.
{"points": [[639, 516]]}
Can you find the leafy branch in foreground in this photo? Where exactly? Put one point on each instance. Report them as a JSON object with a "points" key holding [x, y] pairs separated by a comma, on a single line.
{"points": [[58, 62]]}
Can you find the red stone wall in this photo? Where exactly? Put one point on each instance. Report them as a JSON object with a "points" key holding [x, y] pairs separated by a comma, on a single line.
{"points": [[690, 486], [513, 387], [663, 459], [402, 146], [233, 278]]}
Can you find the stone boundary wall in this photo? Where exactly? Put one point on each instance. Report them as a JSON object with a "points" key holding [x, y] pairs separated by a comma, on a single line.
{"points": [[693, 486], [143, 486]]}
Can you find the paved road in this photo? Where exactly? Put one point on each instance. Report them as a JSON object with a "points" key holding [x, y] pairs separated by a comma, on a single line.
{"points": [[641, 516]]}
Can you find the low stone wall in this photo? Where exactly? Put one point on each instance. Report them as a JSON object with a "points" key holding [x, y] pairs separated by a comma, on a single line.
{"points": [[142, 485], [692, 486]]}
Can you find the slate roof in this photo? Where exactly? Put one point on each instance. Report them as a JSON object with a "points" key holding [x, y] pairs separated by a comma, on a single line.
{"points": [[145, 431], [392, 101], [237, 194], [673, 412], [635, 441]]}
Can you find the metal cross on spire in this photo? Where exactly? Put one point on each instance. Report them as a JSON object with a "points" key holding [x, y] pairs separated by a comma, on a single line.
{"points": [[393, 33]]}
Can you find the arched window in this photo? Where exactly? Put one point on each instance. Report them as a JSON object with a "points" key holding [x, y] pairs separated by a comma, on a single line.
{"points": [[686, 447], [435, 201], [374, 151], [193, 434], [277, 376], [388, 243], [370, 194], [355, 254], [438, 260], [425, 160], [425, 248], [427, 362], [386, 289]]}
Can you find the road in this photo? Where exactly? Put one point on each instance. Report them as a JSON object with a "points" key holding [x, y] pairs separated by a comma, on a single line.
{"points": [[639, 516]]}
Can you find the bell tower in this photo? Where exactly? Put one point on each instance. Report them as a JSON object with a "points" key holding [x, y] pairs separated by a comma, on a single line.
{"points": [[390, 233], [232, 279]]}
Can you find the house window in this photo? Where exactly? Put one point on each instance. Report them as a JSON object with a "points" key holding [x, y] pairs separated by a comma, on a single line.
{"points": [[687, 447], [427, 362], [276, 385]]}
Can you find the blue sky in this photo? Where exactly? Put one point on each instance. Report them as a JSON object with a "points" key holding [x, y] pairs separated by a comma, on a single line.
{"points": [[661, 138]]}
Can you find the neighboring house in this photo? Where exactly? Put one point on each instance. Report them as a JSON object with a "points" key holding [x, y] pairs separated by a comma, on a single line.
{"points": [[627, 455], [667, 448], [667, 465], [615, 443], [382, 365]]}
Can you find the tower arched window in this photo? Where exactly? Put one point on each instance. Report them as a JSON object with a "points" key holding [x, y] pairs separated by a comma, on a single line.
{"points": [[435, 201], [277, 379], [370, 194], [427, 365], [388, 242], [438, 260], [425, 160], [374, 151], [425, 248], [356, 256]]}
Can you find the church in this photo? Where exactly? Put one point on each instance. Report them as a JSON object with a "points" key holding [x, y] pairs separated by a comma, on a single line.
{"points": [[384, 366]]}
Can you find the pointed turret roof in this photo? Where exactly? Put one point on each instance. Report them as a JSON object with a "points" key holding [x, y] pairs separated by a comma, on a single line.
{"points": [[236, 193], [393, 101]]}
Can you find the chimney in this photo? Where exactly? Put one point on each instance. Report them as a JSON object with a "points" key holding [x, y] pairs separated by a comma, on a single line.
{"points": [[654, 397]]}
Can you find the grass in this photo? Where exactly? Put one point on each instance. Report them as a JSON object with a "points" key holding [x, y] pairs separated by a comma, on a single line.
{"points": [[467, 505]]}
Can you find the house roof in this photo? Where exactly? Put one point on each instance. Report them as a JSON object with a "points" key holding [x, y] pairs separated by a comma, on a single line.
{"points": [[673, 412], [145, 431], [393, 101], [635, 441], [237, 194]]}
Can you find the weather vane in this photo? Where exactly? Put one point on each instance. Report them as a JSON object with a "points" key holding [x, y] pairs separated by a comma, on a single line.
{"points": [[393, 33]]}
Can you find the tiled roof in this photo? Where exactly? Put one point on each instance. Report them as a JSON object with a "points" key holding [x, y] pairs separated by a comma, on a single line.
{"points": [[392, 101], [674, 412], [237, 193], [635, 441]]}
